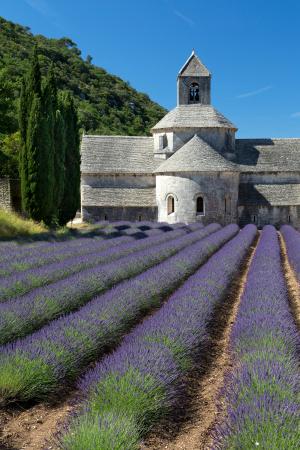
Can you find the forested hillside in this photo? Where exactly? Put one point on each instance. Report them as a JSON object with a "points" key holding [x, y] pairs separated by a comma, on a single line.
{"points": [[106, 104]]}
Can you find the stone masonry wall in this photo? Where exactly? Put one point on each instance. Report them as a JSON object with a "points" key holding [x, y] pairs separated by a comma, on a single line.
{"points": [[10, 196], [269, 215], [215, 188], [134, 214], [5, 195]]}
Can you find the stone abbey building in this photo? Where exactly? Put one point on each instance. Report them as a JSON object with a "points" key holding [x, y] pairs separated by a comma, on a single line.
{"points": [[192, 168]]}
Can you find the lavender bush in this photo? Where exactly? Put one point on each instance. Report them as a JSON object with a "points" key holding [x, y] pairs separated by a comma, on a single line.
{"points": [[58, 254], [59, 350], [130, 389], [25, 314], [106, 251], [262, 392], [292, 242], [28, 256], [11, 251]]}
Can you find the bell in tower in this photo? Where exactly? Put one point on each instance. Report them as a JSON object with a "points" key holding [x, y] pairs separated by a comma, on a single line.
{"points": [[193, 82]]}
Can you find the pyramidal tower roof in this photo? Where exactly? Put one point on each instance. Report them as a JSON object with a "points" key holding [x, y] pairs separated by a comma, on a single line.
{"points": [[194, 67]]}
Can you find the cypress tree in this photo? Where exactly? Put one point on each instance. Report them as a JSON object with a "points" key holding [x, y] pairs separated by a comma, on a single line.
{"points": [[49, 105], [31, 87], [71, 196], [59, 159], [37, 201], [37, 121]]}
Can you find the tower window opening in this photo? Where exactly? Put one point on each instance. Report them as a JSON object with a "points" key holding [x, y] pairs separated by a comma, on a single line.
{"points": [[225, 205], [194, 92], [289, 219], [170, 204], [254, 219], [105, 217], [140, 218], [200, 205]]}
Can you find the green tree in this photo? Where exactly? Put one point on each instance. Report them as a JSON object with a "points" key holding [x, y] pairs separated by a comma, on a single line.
{"points": [[30, 85], [37, 133], [71, 196], [36, 202], [49, 106], [30, 88], [59, 158], [9, 155], [7, 121]]}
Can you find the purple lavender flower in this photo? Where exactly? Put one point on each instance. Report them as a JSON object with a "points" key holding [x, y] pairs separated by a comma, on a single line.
{"points": [[59, 350], [262, 391], [29, 312], [104, 251], [130, 389]]}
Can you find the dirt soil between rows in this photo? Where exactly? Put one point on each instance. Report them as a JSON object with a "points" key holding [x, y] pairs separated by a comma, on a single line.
{"points": [[190, 427], [32, 428], [292, 283]]}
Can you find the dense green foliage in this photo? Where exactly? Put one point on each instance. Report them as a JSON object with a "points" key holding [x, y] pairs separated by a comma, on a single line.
{"points": [[9, 139], [50, 155], [10, 149], [106, 104], [71, 181], [59, 156], [8, 122], [36, 118]]}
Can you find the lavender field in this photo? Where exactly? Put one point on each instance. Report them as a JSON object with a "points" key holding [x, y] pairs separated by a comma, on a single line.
{"points": [[151, 336]]}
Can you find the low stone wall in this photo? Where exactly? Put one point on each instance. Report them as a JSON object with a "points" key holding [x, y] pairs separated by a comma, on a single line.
{"points": [[5, 195], [10, 196], [97, 213], [269, 215]]}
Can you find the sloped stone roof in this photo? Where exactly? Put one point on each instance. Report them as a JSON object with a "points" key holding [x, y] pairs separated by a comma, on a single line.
{"points": [[193, 116], [117, 154], [196, 156], [269, 194], [118, 196], [268, 155], [194, 67]]}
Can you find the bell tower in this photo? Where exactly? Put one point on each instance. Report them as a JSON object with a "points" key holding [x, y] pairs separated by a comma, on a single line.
{"points": [[193, 82]]}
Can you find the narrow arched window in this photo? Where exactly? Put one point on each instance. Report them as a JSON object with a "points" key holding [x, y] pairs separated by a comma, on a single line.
{"points": [[200, 205], [170, 204], [194, 92]]}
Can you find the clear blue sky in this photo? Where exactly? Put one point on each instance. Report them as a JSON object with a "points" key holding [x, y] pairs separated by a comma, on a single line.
{"points": [[252, 48]]}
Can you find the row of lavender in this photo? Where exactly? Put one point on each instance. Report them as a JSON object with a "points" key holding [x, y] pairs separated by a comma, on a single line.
{"points": [[262, 392], [130, 389], [13, 251], [27, 256], [83, 257], [22, 315], [292, 242], [38, 364]]}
